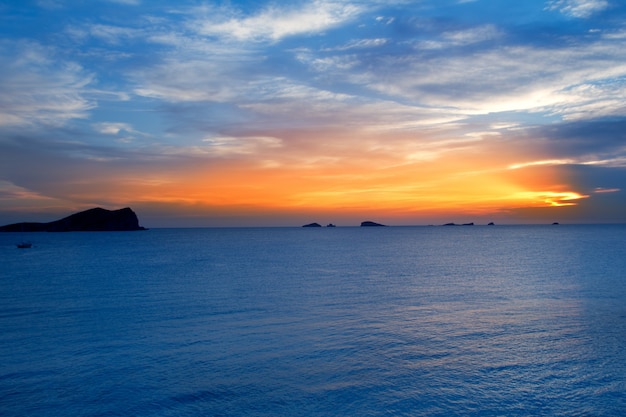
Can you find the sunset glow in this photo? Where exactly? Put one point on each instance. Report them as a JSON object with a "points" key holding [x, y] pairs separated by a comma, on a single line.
{"points": [[255, 113]]}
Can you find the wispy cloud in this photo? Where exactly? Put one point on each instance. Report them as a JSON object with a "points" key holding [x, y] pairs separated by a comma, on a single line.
{"points": [[36, 88], [463, 37], [600, 190], [108, 33], [274, 23], [579, 8], [222, 146], [128, 2], [538, 163], [514, 78], [113, 128]]}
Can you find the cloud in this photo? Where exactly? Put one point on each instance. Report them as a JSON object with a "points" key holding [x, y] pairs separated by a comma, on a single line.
{"points": [[544, 162], [113, 128], [589, 141], [359, 44], [274, 23], [600, 190], [12, 193], [225, 146], [553, 199], [463, 37], [37, 88], [189, 80], [578, 8], [495, 79], [109, 33], [123, 132], [127, 2], [489, 78]]}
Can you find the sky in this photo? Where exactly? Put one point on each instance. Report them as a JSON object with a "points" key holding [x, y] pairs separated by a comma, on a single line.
{"points": [[267, 113]]}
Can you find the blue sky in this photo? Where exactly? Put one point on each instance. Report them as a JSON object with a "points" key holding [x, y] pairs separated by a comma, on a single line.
{"points": [[275, 113]]}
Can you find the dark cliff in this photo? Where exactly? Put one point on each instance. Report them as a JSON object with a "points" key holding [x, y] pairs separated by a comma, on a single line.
{"points": [[92, 220]]}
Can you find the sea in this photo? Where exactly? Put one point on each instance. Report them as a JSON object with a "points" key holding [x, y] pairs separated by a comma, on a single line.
{"points": [[501, 320]]}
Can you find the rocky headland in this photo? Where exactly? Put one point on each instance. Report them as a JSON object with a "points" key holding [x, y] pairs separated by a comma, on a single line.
{"points": [[92, 220]]}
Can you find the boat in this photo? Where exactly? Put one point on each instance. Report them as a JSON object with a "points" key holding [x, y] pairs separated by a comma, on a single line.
{"points": [[24, 244]]}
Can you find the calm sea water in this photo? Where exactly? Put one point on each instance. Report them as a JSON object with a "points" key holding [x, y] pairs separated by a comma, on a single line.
{"points": [[397, 321]]}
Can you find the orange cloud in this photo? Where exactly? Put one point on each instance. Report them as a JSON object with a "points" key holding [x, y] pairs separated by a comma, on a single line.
{"points": [[396, 175], [365, 182]]}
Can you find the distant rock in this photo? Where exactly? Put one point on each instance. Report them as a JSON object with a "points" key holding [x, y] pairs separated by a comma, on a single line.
{"points": [[312, 225], [330, 225], [468, 224], [555, 223], [371, 224], [450, 224], [491, 224], [92, 220]]}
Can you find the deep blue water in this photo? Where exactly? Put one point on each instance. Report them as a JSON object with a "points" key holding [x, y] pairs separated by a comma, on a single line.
{"points": [[397, 321]]}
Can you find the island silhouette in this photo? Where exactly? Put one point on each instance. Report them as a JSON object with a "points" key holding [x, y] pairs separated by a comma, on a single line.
{"points": [[371, 224], [92, 220]]}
